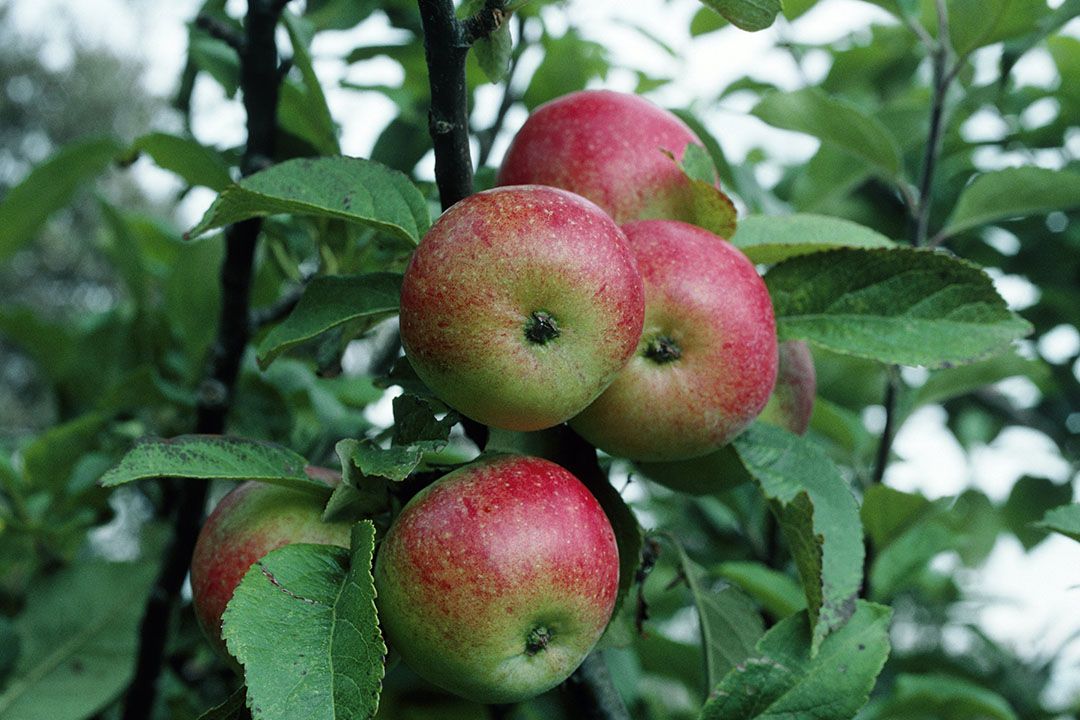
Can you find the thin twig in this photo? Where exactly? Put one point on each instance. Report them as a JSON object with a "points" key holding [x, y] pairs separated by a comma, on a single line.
{"points": [[284, 305], [887, 432], [943, 77], [260, 83]]}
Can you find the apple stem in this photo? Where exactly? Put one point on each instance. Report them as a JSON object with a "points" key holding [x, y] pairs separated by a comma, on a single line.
{"points": [[538, 640], [663, 349], [541, 328]]}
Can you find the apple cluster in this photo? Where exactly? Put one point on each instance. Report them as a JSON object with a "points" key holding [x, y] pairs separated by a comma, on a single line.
{"points": [[576, 291]]}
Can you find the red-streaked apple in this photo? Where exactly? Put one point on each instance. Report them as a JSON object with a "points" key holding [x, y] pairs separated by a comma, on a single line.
{"points": [[520, 305], [249, 522], [495, 582], [615, 149], [707, 360]]}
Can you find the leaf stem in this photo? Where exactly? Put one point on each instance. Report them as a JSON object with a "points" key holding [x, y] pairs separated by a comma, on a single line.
{"points": [[260, 83]]}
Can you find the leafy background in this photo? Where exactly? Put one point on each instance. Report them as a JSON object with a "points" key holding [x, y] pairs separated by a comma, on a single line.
{"points": [[983, 624]]}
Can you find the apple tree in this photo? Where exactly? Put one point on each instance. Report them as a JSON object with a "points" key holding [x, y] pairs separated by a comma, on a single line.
{"points": [[383, 541]]}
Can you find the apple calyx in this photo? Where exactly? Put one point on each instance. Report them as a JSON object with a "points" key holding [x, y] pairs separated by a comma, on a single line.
{"points": [[663, 349], [541, 328], [538, 640]]}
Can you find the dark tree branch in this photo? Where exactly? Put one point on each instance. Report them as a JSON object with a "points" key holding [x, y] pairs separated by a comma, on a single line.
{"points": [[885, 446], [220, 30], [260, 83], [591, 694], [445, 50], [446, 45], [284, 305], [942, 78], [488, 20]]}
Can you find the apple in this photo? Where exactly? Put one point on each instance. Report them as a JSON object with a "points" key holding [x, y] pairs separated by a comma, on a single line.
{"points": [[496, 581], [615, 149], [520, 305], [706, 363], [249, 522], [792, 402]]}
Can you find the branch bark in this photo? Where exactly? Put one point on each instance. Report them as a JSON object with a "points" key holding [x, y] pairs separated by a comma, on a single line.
{"points": [[260, 82], [446, 45]]}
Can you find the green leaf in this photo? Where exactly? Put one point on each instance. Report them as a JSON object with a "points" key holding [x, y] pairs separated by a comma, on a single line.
{"points": [[784, 679], [706, 20], [906, 556], [836, 122], [749, 15], [569, 63], [730, 624], [976, 23], [339, 188], [1064, 520], [698, 165], [50, 459], [770, 239], [493, 52], [9, 645], [935, 695], [303, 624], [216, 58], [48, 188], [192, 161], [79, 637], [776, 591], [416, 431], [338, 14], [903, 306], [818, 516], [1029, 500], [316, 108], [1018, 47], [1010, 193], [944, 385], [719, 160], [908, 531], [712, 474], [708, 206], [328, 302], [233, 707], [886, 513], [358, 495], [214, 457]]}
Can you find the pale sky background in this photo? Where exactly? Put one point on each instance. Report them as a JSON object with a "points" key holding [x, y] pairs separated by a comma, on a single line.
{"points": [[1027, 600]]}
